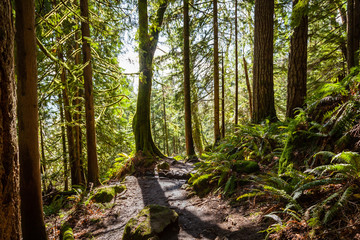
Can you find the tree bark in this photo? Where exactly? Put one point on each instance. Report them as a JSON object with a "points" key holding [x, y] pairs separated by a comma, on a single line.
{"points": [[248, 87], [222, 97], [166, 141], [63, 141], [296, 88], [32, 220], [9, 161], [190, 151], [217, 135], [93, 168], [236, 67], [353, 33], [147, 45], [263, 84], [77, 116]]}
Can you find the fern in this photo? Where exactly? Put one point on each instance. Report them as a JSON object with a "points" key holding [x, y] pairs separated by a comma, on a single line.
{"points": [[282, 194], [297, 193], [329, 215]]}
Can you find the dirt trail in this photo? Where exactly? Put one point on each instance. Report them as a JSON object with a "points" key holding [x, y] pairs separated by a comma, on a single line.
{"points": [[206, 218]]}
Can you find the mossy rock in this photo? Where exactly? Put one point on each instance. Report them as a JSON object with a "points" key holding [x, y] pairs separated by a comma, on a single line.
{"points": [[151, 223], [243, 166], [106, 194], [202, 185], [163, 166], [66, 232]]}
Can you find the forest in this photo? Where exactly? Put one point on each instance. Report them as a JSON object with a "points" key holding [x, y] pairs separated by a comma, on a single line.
{"points": [[192, 119]]}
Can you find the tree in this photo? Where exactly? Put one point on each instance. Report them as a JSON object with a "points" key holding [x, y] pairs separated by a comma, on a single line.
{"points": [[217, 135], [190, 151], [222, 97], [296, 88], [147, 45], [9, 161], [353, 32], [32, 221], [93, 169], [263, 84], [236, 67]]}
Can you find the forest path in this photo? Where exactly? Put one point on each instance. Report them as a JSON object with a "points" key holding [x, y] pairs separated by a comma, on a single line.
{"points": [[199, 218]]}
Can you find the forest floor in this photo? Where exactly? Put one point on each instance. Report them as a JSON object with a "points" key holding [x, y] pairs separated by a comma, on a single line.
{"points": [[199, 218]]}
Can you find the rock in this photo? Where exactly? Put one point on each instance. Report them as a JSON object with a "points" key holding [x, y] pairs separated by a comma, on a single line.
{"points": [[153, 222], [246, 166], [163, 166], [106, 194]]}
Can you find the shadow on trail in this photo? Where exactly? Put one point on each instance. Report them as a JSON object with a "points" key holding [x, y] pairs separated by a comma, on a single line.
{"points": [[194, 223]]}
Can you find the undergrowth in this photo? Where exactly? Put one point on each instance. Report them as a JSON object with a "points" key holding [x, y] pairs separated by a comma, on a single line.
{"points": [[309, 166]]}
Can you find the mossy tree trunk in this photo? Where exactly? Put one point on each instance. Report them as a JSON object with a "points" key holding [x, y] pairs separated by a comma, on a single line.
{"points": [[32, 221], [190, 151], [9, 161], [236, 67], [217, 134], [296, 88], [63, 143], [263, 83], [147, 45], [93, 168]]}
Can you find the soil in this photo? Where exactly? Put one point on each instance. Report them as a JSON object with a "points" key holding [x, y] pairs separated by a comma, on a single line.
{"points": [[199, 218]]}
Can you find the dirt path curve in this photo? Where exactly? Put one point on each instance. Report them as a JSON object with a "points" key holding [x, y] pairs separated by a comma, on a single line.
{"points": [[206, 218]]}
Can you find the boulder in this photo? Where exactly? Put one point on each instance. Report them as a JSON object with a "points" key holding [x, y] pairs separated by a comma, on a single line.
{"points": [[153, 222], [106, 194]]}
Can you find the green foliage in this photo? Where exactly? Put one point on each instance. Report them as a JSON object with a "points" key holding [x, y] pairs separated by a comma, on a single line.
{"points": [[55, 206]]}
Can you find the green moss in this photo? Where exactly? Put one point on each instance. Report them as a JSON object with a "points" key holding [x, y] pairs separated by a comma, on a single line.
{"points": [[151, 221], [246, 166], [106, 194], [201, 184], [66, 232], [163, 166]]}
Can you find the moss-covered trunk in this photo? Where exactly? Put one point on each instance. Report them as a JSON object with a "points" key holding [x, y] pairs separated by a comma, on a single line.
{"points": [[93, 169], [147, 44]]}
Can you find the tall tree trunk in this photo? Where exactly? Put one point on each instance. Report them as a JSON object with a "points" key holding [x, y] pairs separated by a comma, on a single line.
{"points": [[248, 87], [147, 45], [32, 221], [263, 84], [43, 159], [236, 67], [296, 88], [217, 135], [76, 178], [93, 169], [353, 32], [222, 97], [166, 142], [63, 141], [9, 161], [190, 151], [77, 116]]}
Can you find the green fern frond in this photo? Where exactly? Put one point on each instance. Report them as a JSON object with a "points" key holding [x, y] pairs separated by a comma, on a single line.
{"points": [[297, 193], [321, 170], [352, 158], [282, 194], [324, 154], [329, 215], [250, 195]]}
